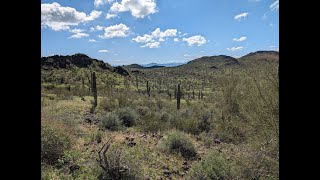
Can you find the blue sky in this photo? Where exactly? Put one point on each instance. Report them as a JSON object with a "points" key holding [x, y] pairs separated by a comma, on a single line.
{"points": [[161, 31]]}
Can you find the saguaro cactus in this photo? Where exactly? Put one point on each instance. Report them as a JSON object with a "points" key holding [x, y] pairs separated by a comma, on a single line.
{"points": [[137, 83], [193, 93], [94, 92], [148, 88], [178, 97]]}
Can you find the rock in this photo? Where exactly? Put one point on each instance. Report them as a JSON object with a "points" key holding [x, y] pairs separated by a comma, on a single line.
{"points": [[82, 98], [73, 168], [166, 172], [165, 167], [217, 141]]}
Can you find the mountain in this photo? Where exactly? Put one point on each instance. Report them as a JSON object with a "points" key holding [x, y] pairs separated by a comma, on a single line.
{"points": [[260, 57], [212, 62], [137, 66], [76, 60], [162, 64]]}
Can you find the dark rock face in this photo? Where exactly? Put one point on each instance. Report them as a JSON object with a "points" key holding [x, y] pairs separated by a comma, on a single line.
{"points": [[66, 62], [120, 71]]}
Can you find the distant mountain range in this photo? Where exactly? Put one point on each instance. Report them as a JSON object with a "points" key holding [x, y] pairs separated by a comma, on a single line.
{"points": [[162, 64], [213, 62]]}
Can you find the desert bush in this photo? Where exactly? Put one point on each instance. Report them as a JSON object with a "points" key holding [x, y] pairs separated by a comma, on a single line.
{"points": [[143, 110], [207, 138], [178, 142], [127, 116], [108, 104], [185, 121], [204, 124], [96, 137], [118, 157], [165, 117], [231, 133], [111, 121], [53, 143], [124, 100], [152, 123], [214, 165]]}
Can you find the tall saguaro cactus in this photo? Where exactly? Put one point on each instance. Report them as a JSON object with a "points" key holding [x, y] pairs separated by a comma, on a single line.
{"points": [[94, 92], [148, 88], [178, 97]]}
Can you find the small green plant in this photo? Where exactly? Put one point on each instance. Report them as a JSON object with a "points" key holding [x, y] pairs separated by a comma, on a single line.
{"points": [[127, 116], [117, 163], [214, 165], [151, 123], [53, 143], [179, 142], [111, 121], [108, 104], [143, 110], [96, 137]]}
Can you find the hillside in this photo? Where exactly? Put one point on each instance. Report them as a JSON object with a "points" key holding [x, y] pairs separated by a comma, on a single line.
{"points": [[213, 62], [260, 57], [227, 118], [69, 62]]}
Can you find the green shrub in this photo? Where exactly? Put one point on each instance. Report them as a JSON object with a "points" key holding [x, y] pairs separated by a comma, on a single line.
{"points": [[128, 116], [143, 110], [214, 165], [96, 137], [151, 123], [117, 157], [179, 142], [204, 124], [111, 121], [165, 117], [53, 143], [231, 134], [108, 104]]}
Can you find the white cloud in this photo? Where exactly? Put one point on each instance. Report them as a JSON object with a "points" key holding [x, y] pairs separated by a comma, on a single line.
{"points": [[144, 39], [103, 51], [97, 28], [152, 45], [60, 18], [110, 16], [78, 33], [176, 39], [275, 5], [195, 40], [161, 39], [98, 3], [167, 33], [235, 48], [150, 38], [240, 16], [138, 8], [186, 55], [240, 39], [92, 40], [119, 30]]}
